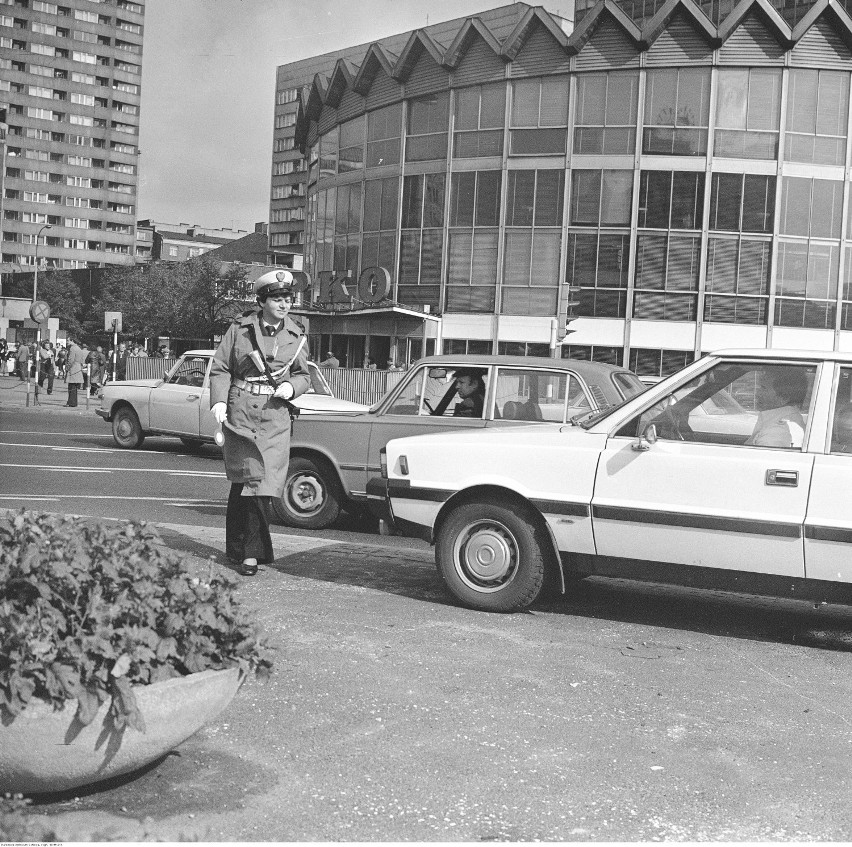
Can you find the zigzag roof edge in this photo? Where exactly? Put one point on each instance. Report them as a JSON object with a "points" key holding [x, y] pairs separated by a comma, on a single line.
{"points": [[457, 49], [409, 55], [820, 8], [341, 78], [344, 74], [769, 14], [658, 23], [518, 36], [316, 99], [586, 27], [376, 54]]}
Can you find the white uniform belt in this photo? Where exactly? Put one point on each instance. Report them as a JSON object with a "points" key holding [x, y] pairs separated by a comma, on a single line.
{"points": [[253, 387]]}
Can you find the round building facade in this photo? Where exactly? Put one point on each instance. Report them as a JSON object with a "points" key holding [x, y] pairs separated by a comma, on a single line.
{"points": [[660, 190]]}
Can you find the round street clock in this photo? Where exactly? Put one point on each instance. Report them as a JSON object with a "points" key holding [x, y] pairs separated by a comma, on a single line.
{"points": [[39, 311]]}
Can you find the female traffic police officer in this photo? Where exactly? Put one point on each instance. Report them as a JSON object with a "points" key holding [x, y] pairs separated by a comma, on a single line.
{"points": [[260, 365]]}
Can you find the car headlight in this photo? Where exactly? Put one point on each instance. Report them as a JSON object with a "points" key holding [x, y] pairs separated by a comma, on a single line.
{"points": [[383, 459]]}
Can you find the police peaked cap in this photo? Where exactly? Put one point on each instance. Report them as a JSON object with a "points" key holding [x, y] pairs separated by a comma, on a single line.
{"points": [[273, 283]]}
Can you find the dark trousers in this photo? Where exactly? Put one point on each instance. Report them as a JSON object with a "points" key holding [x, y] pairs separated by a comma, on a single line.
{"points": [[72, 393], [46, 374], [247, 527]]}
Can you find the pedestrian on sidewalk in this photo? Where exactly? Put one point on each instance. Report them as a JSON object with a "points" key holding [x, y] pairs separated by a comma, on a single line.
{"points": [[23, 358], [97, 360], [118, 362], [46, 366], [62, 362], [260, 365], [76, 361]]}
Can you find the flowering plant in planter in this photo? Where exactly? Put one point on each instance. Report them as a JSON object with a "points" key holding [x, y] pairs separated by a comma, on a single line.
{"points": [[88, 609]]}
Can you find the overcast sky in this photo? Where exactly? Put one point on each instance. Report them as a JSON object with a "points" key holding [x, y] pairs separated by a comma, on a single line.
{"points": [[208, 89]]}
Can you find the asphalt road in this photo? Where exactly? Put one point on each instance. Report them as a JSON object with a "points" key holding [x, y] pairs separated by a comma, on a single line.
{"points": [[66, 461], [620, 713]]}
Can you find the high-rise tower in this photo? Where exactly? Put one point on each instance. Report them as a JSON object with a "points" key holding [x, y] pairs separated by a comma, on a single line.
{"points": [[70, 83]]}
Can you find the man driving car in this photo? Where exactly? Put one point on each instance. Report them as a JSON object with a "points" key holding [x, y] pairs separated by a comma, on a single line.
{"points": [[470, 388]]}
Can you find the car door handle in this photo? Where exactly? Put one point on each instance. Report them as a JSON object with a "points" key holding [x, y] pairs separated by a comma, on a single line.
{"points": [[787, 479], [192, 396]]}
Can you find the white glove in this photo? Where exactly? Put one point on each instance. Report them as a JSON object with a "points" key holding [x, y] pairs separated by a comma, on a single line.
{"points": [[285, 391], [219, 412]]}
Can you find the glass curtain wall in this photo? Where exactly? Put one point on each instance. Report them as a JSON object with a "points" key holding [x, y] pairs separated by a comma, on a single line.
{"points": [[769, 235]]}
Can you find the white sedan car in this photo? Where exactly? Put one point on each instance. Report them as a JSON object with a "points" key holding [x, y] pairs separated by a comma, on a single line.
{"points": [[179, 404], [735, 474]]}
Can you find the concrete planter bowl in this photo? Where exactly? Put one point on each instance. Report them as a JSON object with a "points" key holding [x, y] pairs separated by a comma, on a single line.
{"points": [[43, 750]]}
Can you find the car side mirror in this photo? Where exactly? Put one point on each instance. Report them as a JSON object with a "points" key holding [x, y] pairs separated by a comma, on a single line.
{"points": [[646, 439]]}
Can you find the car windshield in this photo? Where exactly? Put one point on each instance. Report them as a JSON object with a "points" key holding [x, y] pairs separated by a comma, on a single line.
{"points": [[318, 384], [591, 418]]}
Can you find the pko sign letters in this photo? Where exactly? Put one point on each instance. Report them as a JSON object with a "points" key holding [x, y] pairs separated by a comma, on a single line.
{"points": [[338, 287]]}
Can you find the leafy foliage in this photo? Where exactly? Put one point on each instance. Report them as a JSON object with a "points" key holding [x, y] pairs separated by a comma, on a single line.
{"points": [[88, 609], [62, 294], [180, 299]]}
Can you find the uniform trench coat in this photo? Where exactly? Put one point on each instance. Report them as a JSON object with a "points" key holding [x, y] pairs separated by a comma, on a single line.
{"points": [[257, 432], [76, 361]]}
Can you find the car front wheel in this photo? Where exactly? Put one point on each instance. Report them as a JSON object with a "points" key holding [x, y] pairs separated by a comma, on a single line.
{"points": [[311, 496], [126, 429], [491, 557]]}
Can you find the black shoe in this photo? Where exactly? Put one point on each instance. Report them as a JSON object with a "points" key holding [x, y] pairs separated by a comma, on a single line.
{"points": [[246, 569]]}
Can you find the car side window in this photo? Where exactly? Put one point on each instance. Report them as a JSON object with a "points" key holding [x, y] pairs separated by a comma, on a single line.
{"points": [[407, 401], [841, 424], [190, 371], [751, 404], [526, 394]]}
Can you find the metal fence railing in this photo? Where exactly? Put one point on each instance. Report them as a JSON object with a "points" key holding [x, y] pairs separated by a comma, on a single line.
{"points": [[139, 367], [360, 385]]}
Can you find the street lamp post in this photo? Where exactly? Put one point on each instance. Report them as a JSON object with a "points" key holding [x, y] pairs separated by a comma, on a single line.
{"points": [[35, 297]]}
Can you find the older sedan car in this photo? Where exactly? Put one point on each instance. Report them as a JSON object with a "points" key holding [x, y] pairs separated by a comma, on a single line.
{"points": [[648, 490], [179, 404], [331, 459]]}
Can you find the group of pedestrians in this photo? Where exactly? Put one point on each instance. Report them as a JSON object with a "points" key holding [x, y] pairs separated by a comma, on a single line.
{"points": [[81, 368]]}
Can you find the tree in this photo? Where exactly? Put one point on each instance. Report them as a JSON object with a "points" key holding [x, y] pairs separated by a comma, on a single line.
{"points": [[213, 295], [62, 294], [194, 299]]}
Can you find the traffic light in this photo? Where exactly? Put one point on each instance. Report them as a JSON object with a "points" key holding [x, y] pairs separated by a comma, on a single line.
{"points": [[568, 313]]}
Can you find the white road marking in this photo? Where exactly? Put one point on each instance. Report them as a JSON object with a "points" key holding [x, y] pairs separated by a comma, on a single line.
{"points": [[145, 452], [205, 474], [58, 447], [68, 434], [31, 498], [77, 470], [185, 500], [183, 504]]}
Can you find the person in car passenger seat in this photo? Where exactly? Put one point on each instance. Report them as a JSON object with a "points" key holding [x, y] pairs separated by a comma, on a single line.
{"points": [[780, 394]]}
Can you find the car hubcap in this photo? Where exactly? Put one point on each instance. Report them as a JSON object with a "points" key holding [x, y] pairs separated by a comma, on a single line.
{"points": [[306, 494], [125, 428], [486, 556]]}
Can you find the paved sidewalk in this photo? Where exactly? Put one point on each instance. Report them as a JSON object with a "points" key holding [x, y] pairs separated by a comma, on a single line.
{"points": [[13, 392]]}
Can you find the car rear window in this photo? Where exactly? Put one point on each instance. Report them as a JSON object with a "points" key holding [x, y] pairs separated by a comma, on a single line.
{"points": [[628, 385]]}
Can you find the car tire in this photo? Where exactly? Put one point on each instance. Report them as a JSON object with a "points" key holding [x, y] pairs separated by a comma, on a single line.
{"points": [[126, 429], [312, 498], [492, 557], [191, 443]]}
